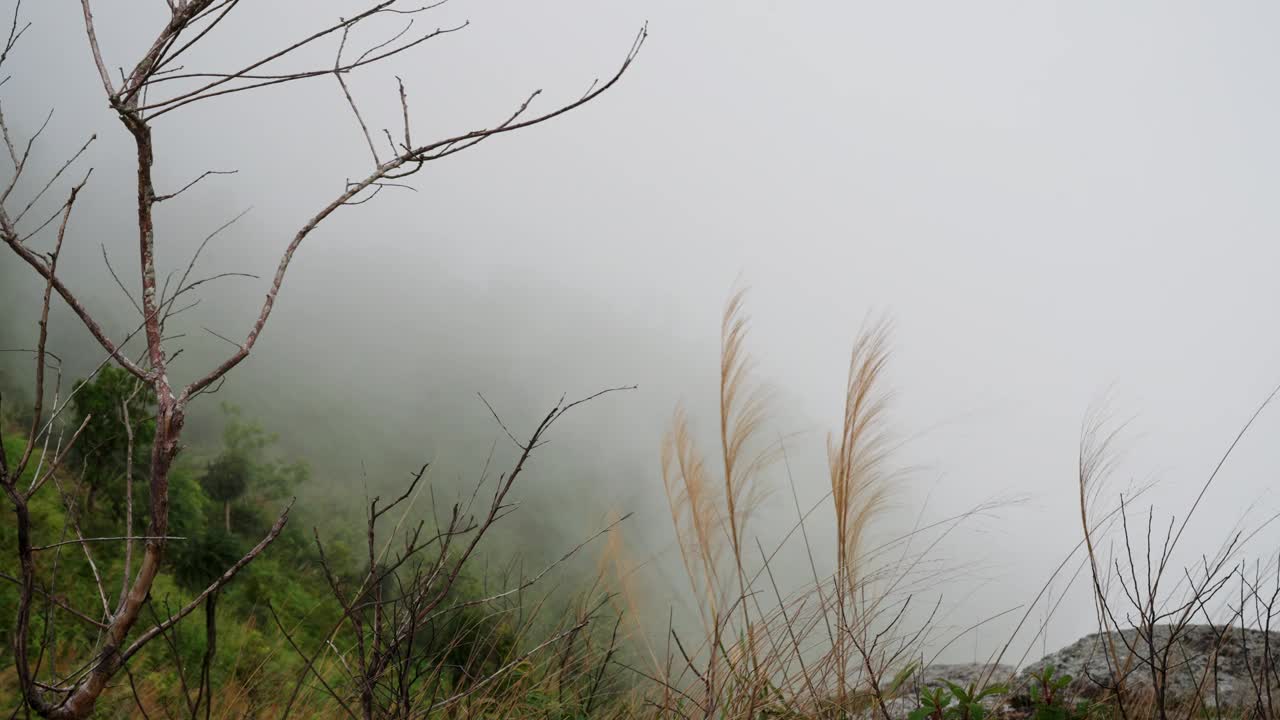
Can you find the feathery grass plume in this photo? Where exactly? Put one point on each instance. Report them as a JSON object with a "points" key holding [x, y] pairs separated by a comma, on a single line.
{"points": [[742, 411], [706, 514], [691, 497], [859, 476], [616, 571], [859, 484]]}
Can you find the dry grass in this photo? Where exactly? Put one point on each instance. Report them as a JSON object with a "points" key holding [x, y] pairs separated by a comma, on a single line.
{"points": [[710, 515], [858, 460], [830, 648]]}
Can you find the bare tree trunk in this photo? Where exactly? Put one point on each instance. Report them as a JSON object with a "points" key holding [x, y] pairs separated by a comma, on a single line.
{"points": [[82, 700]]}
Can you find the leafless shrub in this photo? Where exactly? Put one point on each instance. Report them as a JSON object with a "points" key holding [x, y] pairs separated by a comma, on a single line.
{"points": [[1148, 608], [390, 669]]}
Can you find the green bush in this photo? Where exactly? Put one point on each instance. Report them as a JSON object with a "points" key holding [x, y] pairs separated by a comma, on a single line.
{"points": [[1046, 698], [103, 446], [955, 702]]}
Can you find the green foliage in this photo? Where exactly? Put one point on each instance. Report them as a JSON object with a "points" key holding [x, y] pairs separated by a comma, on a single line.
{"points": [[969, 699], [955, 702], [900, 678], [934, 703], [270, 479], [226, 478], [15, 407], [252, 656], [1046, 698], [245, 437], [46, 512], [188, 503], [103, 445], [246, 479], [201, 559]]}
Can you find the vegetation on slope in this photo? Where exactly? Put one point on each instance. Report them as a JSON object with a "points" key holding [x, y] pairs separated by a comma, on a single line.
{"points": [[266, 626]]}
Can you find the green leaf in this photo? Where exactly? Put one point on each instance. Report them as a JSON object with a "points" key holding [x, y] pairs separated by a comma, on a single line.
{"points": [[990, 690], [903, 676], [957, 692]]}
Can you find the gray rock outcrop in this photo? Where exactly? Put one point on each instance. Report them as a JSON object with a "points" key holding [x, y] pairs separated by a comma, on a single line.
{"points": [[1225, 666], [1207, 666]]}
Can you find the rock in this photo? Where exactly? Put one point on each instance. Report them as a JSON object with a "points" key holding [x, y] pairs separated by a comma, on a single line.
{"points": [[1240, 664], [962, 674], [1240, 660]]}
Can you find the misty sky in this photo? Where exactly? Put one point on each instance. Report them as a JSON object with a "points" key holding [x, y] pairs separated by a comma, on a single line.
{"points": [[1058, 203]]}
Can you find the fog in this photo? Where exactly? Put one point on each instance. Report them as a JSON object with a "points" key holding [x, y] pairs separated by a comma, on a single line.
{"points": [[1059, 205]]}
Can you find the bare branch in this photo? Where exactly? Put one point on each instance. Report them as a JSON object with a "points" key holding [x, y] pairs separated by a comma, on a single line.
{"points": [[37, 411], [20, 164], [346, 92], [221, 337], [166, 300], [209, 89], [498, 420], [97, 51], [54, 179], [404, 110], [226, 7], [128, 495], [118, 538], [76, 306], [119, 283], [203, 175], [68, 500], [14, 32], [417, 156], [531, 581]]}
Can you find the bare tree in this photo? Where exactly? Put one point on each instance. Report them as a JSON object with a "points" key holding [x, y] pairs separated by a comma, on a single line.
{"points": [[156, 86]]}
